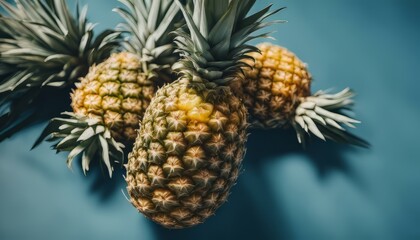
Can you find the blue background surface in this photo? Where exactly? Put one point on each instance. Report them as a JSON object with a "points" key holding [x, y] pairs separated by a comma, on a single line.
{"points": [[329, 192]]}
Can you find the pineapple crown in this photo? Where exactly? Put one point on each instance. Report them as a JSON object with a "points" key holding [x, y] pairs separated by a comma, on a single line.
{"points": [[215, 39], [47, 46], [148, 24], [321, 115], [43, 44], [83, 136]]}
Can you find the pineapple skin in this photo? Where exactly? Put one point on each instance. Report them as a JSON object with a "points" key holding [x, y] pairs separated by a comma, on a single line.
{"points": [[116, 92], [274, 87], [188, 153]]}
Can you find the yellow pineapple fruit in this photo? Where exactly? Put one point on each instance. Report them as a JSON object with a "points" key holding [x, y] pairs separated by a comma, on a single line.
{"points": [[191, 141], [116, 93], [276, 91], [188, 154], [111, 99]]}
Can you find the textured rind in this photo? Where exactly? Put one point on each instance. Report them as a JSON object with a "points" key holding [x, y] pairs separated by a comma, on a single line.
{"points": [[274, 87], [182, 167], [116, 92]]}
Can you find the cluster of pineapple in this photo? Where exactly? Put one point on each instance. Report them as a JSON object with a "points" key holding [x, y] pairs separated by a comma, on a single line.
{"points": [[178, 91]]}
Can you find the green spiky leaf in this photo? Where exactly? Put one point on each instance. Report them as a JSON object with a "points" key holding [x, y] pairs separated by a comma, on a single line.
{"points": [[321, 116], [147, 25], [214, 43], [43, 45], [83, 137]]}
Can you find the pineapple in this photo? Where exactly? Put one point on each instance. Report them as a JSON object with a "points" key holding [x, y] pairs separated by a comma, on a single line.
{"points": [[191, 141], [276, 91], [115, 93], [44, 49]]}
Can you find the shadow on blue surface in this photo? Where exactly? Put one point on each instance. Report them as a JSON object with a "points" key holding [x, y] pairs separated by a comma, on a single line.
{"points": [[325, 156], [103, 187], [43, 109]]}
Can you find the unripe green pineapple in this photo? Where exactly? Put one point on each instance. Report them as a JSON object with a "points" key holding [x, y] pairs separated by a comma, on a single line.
{"points": [[191, 141], [276, 91], [110, 100]]}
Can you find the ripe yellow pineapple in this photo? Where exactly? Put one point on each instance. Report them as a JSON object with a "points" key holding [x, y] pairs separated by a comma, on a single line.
{"points": [[276, 91], [188, 153], [116, 93], [191, 141], [110, 100]]}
